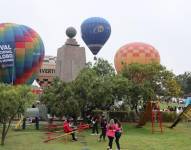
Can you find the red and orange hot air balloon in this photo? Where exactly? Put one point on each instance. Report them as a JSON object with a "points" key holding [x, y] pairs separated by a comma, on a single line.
{"points": [[135, 53]]}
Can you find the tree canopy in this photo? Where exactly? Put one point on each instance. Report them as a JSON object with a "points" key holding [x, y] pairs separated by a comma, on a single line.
{"points": [[98, 87], [185, 82], [13, 100], [150, 82]]}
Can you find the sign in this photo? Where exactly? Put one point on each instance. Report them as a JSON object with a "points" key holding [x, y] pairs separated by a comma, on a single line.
{"points": [[6, 54], [98, 29], [52, 71]]}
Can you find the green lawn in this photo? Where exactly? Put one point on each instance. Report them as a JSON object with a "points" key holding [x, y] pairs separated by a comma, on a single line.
{"points": [[132, 139]]}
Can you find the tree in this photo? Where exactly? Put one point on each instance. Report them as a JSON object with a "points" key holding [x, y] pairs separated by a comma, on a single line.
{"points": [[120, 90], [92, 89], [99, 90], [150, 82], [13, 100], [59, 99], [103, 68], [82, 87], [185, 81]]}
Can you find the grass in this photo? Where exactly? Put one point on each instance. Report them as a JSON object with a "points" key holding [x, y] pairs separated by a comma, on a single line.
{"points": [[132, 139]]}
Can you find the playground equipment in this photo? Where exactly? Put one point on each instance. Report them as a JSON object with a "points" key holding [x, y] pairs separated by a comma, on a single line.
{"points": [[80, 128], [185, 113], [19, 123], [152, 113], [156, 118], [57, 137]]}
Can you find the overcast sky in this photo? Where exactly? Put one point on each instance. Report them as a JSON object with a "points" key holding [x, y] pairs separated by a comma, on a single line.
{"points": [[165, 24]]}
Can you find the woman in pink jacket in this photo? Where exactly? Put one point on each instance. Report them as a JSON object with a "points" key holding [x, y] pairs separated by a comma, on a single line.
{"points": [[111, 128]]}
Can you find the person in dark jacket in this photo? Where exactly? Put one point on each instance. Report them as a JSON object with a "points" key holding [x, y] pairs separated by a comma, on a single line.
{"points": [[118, 132], [95, 126], [37, 122], [103, 126], [24, 123]]}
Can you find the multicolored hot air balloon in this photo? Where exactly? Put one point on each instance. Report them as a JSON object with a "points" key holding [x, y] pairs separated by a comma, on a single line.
{"points": [[95, 32], [21, 53], [135, 53]]}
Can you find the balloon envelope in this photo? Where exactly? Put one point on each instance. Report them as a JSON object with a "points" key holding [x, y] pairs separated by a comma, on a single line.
{"points": [[26, 49], [135, 53], [95, 32]]}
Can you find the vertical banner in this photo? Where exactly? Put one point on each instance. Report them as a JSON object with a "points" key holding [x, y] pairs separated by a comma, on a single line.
{"points": [[6, 54]]}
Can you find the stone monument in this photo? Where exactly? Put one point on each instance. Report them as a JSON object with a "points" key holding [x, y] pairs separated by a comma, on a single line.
{"points": [[71, 58]]}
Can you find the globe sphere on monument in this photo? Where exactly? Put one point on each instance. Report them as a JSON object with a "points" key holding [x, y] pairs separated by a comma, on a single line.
{"points": [[136, 52], [21, 54], [71, 32]]}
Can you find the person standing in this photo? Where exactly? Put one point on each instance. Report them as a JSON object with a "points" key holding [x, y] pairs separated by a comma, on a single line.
{"points": [[37, 122], [111, 128], [103, 126], [24, 123], [117, 133], [95, 126]]}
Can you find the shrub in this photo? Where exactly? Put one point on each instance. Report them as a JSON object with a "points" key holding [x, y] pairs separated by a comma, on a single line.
{"points": [[168, 116], [123, 116], [131, 116]]}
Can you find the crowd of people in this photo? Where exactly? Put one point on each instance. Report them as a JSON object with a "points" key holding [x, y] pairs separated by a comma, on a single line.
{"points": [[177, 109], [111, 129]]}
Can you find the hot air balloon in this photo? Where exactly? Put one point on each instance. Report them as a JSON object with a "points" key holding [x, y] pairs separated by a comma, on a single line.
{"points": [[21, 53], [135, 53], [95, 32], [46, 73]]}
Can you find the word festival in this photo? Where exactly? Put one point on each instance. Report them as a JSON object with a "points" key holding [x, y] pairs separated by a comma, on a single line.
{"points": [[5, 47], [6, 54]]}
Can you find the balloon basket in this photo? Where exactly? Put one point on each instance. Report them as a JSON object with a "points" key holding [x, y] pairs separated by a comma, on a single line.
{"points": [[95, 58]]}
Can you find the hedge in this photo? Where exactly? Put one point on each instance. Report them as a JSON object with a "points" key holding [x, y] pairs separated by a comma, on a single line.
{"points": [[131, 116]]}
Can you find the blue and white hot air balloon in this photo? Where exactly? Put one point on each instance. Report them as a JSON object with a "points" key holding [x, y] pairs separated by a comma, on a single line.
{"points": [[95, 32]]}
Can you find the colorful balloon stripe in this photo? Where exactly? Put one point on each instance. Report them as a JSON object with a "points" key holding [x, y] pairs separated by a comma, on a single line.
{"points": [[28, 50]]}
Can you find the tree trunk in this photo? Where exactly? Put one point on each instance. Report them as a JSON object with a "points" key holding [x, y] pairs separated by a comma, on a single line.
{"points": [[3, 134], [6, 128], [5, 131]]}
